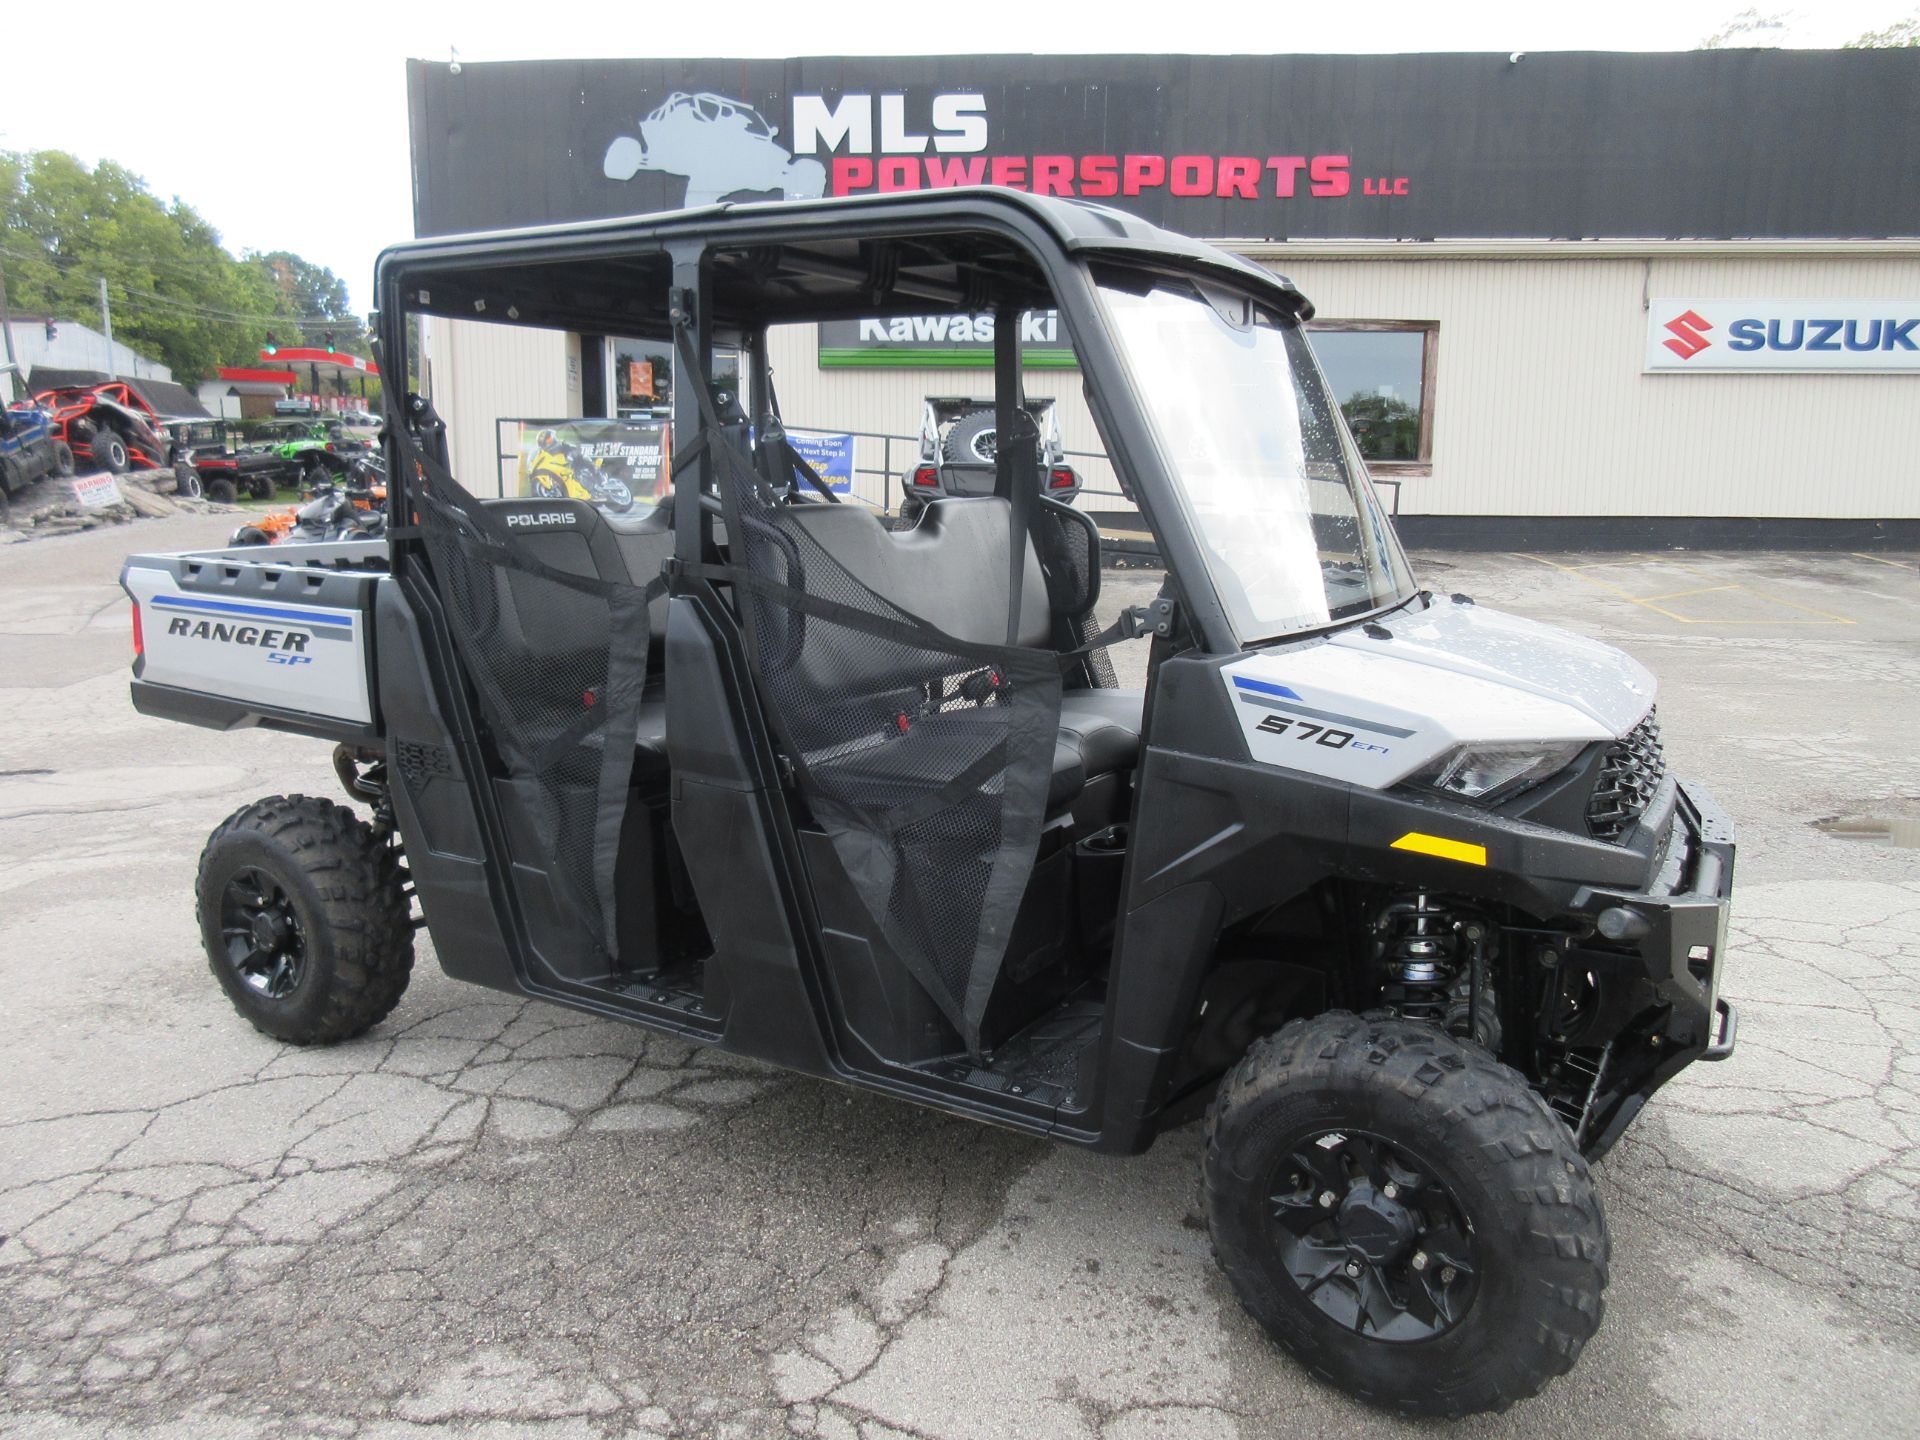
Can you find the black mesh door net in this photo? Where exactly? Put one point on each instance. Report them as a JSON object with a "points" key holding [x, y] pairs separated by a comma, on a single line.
{"points": [[558, 662], [925, 758]]}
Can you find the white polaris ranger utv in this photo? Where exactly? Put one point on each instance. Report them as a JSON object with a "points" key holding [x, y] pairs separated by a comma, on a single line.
{"points": [[1393, 889]]}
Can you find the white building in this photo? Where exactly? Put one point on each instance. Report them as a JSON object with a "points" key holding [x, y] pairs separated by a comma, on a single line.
{"points": [[74, 346]]}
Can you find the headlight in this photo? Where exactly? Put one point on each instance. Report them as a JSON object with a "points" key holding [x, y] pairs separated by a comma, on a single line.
{"points": [[1489, 772]]}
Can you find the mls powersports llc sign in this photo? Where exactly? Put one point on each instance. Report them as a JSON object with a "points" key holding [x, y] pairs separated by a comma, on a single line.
{"points": [[1719, 336], [1704, 145]]}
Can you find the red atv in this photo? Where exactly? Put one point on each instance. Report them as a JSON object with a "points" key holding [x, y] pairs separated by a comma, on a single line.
{"points": [[107, 426]]}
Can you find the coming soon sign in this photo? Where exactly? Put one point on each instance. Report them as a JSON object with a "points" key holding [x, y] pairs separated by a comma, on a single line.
{"points": [[1717, 336]]}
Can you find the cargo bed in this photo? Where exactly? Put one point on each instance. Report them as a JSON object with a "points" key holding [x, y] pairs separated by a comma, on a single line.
{"points": [[280, 637]]}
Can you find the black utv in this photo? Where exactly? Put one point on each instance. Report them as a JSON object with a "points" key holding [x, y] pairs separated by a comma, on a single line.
{"points": [[1392, 889]]}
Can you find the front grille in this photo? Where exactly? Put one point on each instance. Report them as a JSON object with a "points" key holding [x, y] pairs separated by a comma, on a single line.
{"points": [[1632, 771]]}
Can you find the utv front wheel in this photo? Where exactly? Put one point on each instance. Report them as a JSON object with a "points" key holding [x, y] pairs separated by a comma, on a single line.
{"points": [[1402, 1213], [304, 919], [109, 451]]}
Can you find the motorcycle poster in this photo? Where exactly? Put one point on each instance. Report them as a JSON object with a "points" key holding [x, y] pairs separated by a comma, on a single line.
{"points": [[614, 464]]}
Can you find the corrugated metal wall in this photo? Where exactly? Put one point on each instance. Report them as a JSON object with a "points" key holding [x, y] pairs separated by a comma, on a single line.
{"points": [[481, 373], [1540, 408]]}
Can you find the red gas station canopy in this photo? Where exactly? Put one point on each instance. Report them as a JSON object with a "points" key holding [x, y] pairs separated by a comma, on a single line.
{"points": [[325, 362]]}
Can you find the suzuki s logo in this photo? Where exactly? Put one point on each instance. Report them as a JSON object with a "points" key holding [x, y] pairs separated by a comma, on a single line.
{"points": [[1688, 338]]}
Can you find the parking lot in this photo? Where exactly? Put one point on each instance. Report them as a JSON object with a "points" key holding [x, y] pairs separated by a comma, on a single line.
{"points": [[492, 1217]]}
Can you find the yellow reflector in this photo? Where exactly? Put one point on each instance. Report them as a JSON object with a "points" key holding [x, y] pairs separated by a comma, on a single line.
{"points": [[1445, 849]]}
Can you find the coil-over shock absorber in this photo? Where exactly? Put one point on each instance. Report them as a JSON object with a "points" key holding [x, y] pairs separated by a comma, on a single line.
{"points": [[1432, 961]]}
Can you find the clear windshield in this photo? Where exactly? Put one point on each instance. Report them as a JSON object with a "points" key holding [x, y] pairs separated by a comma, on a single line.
{"points": [[1293, 534]]}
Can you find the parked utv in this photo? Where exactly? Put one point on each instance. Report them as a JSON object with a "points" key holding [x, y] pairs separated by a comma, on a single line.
{"points": [[959, 440], [225, 474], [29, 449], [107, 426], [1392, 888]]}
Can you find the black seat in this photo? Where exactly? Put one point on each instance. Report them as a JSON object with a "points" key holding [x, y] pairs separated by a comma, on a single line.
{"points": [[1099, 735]]}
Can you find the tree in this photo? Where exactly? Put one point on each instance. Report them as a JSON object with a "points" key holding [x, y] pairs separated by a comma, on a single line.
{"points": [[1748, 28], [313, 298], [175, 292], [1900, 35]]}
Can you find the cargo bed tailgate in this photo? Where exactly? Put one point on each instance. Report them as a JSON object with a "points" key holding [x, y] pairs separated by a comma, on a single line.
{"points": [[228, 640]]}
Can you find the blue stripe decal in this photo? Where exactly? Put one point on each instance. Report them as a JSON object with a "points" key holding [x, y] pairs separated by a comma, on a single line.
{"points": [[264, 612], [1264, 687]]}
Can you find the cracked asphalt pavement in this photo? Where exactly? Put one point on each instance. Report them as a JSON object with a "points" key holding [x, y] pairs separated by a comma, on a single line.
{"points": [[495, 1218]]}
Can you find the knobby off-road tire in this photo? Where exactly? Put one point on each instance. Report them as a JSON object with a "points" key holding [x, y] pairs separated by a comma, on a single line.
{"points": [[220, 491], [110, 450], [972, 439], [62, 459], [1453, 1127], [304, 919]]}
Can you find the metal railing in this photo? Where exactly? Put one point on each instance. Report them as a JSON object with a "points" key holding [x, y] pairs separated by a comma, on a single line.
{"points": [[887, 471]]}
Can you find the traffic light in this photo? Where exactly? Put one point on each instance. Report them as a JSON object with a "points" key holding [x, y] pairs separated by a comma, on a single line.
{"points": [[329, 335], [272, 347]]}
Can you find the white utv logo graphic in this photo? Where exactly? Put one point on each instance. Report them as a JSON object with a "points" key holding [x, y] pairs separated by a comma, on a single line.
{"points": [[723, 147]]}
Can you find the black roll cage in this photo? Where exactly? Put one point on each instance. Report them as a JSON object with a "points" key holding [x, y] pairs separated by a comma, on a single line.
{"points": [[675, 253]]}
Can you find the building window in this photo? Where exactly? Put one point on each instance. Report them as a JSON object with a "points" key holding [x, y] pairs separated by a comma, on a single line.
{"points": [[1381, 373]]}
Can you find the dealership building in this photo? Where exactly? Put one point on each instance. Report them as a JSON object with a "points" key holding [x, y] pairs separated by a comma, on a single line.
{"points": [[1565, 299]]}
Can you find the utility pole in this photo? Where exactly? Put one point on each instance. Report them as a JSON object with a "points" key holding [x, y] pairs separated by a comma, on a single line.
{"points": [[6, 328], [106, 324]]}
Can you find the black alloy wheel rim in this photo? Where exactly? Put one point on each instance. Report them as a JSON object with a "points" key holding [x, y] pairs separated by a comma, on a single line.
{"points": [[266, 945], [1372, 1236]]}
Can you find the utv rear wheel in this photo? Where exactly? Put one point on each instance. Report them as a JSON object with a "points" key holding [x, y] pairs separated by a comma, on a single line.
{"points": [[221, 491], [304, 918], [260, 488], [1404, 1214]]}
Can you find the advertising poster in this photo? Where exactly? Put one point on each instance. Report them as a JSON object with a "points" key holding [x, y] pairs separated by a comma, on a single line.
{"points": [[615, 464], [830, 454]]}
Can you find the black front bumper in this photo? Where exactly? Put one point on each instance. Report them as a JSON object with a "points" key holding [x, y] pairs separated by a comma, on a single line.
{"points": [[1674, 934]]}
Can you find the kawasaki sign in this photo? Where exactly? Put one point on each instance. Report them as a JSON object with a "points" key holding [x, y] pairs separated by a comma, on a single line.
{"points": [[941, 341], [1716, 336], [1708, 144]]}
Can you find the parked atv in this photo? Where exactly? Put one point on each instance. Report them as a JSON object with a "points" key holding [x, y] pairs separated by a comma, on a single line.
{"points": [[566, 472], [1392, 888], [352, 511], [107, 426], [959, 445], [29, 449]]}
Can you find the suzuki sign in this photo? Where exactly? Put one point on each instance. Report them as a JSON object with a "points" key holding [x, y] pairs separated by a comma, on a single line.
{"points": [[1719, 336]]}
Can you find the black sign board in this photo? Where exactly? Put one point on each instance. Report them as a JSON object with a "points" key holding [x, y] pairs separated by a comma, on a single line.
{"points": [[1713, 144]]}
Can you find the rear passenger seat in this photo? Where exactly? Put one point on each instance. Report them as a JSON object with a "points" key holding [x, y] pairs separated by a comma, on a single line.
{"points": [[577, 537]]}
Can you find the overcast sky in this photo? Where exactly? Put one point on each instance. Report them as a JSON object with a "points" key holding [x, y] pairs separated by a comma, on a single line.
{"points": [[287, 127]]}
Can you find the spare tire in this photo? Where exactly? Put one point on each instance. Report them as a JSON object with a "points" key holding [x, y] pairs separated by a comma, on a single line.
{"points": [[972, 439]]}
